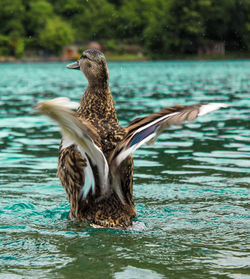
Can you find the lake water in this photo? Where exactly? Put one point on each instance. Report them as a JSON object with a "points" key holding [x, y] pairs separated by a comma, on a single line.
{"points": [[191, 188]]}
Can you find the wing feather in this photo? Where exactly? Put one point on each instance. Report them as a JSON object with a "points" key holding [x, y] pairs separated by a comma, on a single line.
{"points": [[146, 129], [82, 134]]}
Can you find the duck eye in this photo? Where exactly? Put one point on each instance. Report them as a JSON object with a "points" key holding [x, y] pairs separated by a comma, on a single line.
{"points": [[83, 57]]}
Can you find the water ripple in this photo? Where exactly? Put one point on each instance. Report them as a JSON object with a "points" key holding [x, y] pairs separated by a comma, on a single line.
{"points": [[191, 188]]}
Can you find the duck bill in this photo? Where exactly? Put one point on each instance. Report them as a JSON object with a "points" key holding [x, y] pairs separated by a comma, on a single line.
{"points": [[75, 66]]}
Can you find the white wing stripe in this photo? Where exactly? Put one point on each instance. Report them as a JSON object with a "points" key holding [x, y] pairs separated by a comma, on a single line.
{"points": [[89, 180], [154, 122], [204, 109]]}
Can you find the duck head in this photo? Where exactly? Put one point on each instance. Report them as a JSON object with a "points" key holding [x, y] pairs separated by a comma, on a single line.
{"points": [[94, 66]]}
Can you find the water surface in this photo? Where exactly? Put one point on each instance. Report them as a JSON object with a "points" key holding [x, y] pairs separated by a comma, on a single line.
{"points": [[191, 188]]}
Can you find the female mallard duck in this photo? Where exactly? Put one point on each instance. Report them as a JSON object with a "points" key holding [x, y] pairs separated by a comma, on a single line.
{"points": [[95, 165]]}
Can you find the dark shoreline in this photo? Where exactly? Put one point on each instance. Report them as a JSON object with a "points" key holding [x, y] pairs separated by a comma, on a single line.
{"points": [[135, 59]]}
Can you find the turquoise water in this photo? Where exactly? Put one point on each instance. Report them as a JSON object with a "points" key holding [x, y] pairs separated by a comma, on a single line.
{"points": [[191, 188]]}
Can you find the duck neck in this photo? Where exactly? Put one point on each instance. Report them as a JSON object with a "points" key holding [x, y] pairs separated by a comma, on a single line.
{"points": [[98, 84], [97, 103]]}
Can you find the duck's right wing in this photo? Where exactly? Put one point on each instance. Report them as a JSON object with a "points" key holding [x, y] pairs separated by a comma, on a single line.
{"points": [[83, 135], [146, 129]]}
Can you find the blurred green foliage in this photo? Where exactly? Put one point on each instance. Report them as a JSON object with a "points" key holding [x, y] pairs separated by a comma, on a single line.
{"points": [[55, 35], [161, 27]]}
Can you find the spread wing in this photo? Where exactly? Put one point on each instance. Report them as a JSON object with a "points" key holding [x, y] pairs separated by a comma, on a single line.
{"points": [[146, 129], [82, 134]]}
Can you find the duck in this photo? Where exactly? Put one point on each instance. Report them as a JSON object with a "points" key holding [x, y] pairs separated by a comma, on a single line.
{"points": [[95, 163]]}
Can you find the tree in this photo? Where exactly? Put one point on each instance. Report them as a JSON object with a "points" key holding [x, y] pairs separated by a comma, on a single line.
{"points": [[238, 33], [92, 20], [38, 13], [133, 17], [182, 28], [11, 28], [56, 35], [155, 34]]}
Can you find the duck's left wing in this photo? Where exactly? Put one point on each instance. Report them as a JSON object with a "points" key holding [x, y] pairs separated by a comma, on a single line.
{"points": [[83, 135], [146, 129]]}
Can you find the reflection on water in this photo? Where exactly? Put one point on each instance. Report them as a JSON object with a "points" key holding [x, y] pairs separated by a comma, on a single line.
{"points": [[191, 188]]}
